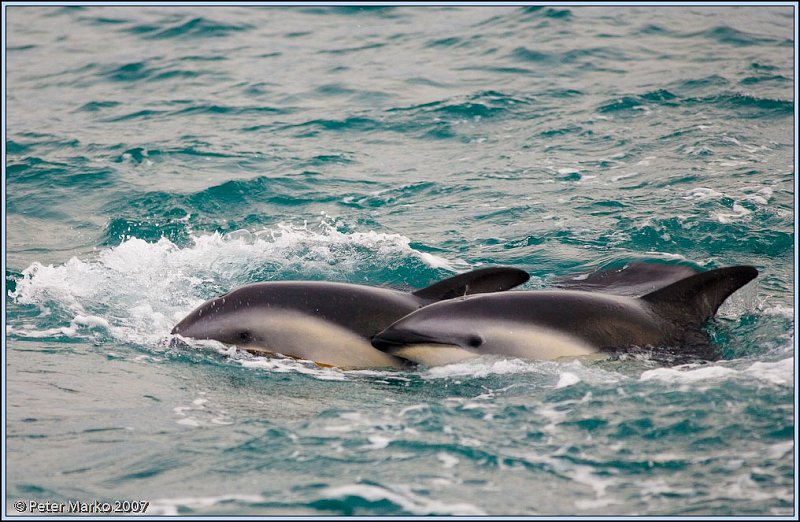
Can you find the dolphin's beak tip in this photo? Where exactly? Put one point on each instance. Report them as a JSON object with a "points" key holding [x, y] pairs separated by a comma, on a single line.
{"points": [[381, 343]]}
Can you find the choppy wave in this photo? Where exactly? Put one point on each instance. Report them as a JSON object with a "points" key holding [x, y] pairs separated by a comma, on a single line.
{"points": [[743, 104], [196, 27], [775, 373], [361, 499], [136, 291]]}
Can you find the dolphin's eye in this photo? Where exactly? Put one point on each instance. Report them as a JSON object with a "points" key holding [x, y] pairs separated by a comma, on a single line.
{"points": [[245, 336], [474, 341]]}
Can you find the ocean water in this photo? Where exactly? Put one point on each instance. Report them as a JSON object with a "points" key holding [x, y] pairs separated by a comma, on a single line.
{"points": [[159, 156]]}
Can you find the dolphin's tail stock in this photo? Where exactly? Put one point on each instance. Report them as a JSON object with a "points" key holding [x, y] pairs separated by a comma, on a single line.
{"points": [[480, 281], [695, 299]]}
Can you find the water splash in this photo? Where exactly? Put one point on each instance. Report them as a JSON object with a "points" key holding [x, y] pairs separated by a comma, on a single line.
{"points": [[136, 291]]}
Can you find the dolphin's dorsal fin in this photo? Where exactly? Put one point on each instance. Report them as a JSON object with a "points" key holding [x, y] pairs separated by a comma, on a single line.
{"points": [[635, 279], [697, 298], [481, 281]]}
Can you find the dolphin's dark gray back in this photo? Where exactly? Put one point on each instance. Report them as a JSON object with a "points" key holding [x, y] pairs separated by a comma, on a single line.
{"points": [[635, 279]]}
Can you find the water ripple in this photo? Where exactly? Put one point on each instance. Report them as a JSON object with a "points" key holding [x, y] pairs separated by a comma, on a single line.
{"points": [[198, 27]]}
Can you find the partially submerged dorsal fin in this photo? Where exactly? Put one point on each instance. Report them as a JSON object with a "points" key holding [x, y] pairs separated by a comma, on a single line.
{"points": [[635, 279], [697, 298], [481, 281]]}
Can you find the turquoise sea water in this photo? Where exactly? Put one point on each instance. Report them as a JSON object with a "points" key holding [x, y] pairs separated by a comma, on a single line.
{"points": [[159, 156]]}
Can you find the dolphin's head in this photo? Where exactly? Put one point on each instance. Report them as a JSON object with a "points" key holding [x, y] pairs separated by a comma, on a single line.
{"points": [[283, 318], [422, 341], [232, 318], [437, 324], [457, 329]]}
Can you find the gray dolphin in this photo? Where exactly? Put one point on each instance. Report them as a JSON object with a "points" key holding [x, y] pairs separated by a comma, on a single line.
{"points": [[548, 324], [329, 323]]}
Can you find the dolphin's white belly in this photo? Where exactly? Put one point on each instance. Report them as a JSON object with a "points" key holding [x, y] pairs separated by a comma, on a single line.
{"points": [[529, 341], [511, 340], [433, 354], [306, 337]]}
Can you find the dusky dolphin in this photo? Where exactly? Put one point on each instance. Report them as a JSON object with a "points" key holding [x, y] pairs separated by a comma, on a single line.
{"points": [[328, 323], [548, 324]]}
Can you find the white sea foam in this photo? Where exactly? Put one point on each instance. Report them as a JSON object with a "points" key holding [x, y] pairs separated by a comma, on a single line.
{"points": [[729, 217], [482, 367], [702, 194], [700, 375], [439, 262], [378, 441], [753, 197], [780, 310], [775, 373], [170, 507], [585, 475], [779, 372], [567, 379], [289, 365], [448, 461], [403, 497], [566, 372], [666, 255], [780, 450]]}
